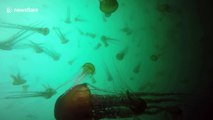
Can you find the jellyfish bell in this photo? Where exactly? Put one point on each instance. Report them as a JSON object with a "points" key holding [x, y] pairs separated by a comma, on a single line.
{"points": [[88, 68], [75, 104], [108, 6]]}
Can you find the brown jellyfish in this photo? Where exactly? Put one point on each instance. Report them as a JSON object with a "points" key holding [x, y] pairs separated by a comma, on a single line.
{"points": [[75, 104], [108, 6]]}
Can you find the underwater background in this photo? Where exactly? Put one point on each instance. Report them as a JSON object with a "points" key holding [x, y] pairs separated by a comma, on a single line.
{"points": [[145, 45]]}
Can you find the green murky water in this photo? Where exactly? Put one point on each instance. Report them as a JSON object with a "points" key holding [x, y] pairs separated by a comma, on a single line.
{"points": [[145, 45]]}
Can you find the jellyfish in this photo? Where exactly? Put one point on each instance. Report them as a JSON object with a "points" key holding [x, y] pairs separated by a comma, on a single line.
{"points": [[18, 79], [41, 30], [126, 30], [106, 40], [163, 8], [78, 19], [61, 36], [136, 69], [67, 20], [47, 93], [109, 75], [53, 54], [155, 57], [108, 6], [98, 46], [91, 35], [36, 47], [10, 43], [88, 70], [80, 103], [120, 55]]}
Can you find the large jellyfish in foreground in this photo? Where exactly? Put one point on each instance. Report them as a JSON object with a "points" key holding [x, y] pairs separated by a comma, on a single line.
{"points": [[79, 103]]}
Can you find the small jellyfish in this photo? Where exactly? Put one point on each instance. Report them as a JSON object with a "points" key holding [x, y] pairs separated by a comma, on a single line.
{"points": [[98, 46], [163, 7], [120, 55], [106, 40], [109, 75], [78, 19], [67, 20], [88, 70], [155, 57], [36, 47], [108, 6], [136, 69], [41, 30], [91, 35], [25, 88], [47, 93], [11, 42], [18, 79], [60, 35], [53, 54], [126, 30]]}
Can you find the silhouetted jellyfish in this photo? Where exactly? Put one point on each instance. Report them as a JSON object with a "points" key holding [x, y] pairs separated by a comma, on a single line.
{"points": [[47, 93], [108, 6], [41, 30], [18, 79], [120, 55], [97, 46], [80, 103], [53, 54]]}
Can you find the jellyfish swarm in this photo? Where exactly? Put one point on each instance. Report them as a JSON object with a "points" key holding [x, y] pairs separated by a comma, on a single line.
{"points": [[108, 6], [41, 30], [79, 104]]}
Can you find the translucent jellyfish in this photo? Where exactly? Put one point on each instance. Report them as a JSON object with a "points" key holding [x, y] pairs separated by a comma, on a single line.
{"points": [[53, 54], [91, 35], [106, 40], [18, 79], [137, 68], [98, 46], [126, 30], [67, 20], [120, 55], [11, 42], [88, 70], [41, 30], [78, 19], [60, 35], [108, 6], [109, 75], [155, 57], [163, 7], [47, 93], [37, 47]]}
